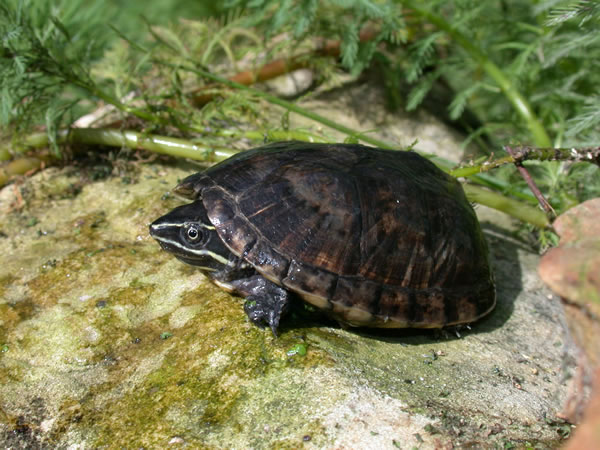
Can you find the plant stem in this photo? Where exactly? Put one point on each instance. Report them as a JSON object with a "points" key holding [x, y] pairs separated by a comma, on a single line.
{"points": [[114, 138], [283, 103], [514, 208], [165, 145], [532, 186], [443, 164], [281, 66], [524, 153], [107, 98], [20, 166], [481, 168], [271, 135], [159, 144], [186, 149], [520, 104]]}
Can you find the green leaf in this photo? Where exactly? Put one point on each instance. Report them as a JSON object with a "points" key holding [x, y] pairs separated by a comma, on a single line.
{"points": [[420, 90], [349, 47], [298, 349], [460, 100], [421, 53]]}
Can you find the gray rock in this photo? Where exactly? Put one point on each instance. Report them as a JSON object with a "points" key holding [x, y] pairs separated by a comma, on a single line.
{"points": [[108, 342]]}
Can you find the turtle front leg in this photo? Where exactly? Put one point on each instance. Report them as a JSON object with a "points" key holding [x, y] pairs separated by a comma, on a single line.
{"points": [[265, 301]]}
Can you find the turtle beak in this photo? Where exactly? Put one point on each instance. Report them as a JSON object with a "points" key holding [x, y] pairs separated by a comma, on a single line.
{"points": [[166, 229], [165, 232]]}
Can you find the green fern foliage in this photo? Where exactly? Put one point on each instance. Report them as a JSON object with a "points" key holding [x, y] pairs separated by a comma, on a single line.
{"points": [[582, 11], [44, 52], [341, 19], [56, 58], [549, 53]]}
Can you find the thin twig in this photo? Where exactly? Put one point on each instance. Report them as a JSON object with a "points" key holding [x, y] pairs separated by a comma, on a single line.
{"points": [[165, 145], [481, 168], [114, 138], [279, 67], [585, 154], [522, 153], [273, 99], [536, 191]]}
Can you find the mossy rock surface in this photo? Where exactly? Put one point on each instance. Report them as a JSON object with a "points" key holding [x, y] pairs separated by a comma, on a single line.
{"points": [[108, 342]]}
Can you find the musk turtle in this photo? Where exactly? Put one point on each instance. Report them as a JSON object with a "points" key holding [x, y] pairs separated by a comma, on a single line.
{"points": [[376, 238]]}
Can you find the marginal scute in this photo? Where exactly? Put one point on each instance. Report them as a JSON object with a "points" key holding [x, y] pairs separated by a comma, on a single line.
{"points": [[474, 302], [395, 306], [268, 261], [352, 316], [308, 281], [429, 308], [357, 292], [466, 309]]}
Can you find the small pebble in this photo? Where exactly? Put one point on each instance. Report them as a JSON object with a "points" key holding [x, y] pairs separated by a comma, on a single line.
{"points": [[177, 440]]}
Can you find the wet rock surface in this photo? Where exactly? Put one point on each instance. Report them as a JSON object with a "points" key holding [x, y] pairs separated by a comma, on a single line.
{"points": [[106, 341]]}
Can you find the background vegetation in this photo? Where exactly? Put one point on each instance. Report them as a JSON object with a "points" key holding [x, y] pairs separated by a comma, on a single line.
{"points": [[509, 72]]}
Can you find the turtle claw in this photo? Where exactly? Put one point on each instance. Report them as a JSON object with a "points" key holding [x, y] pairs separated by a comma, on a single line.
{"points": [[265, 311], [265, 301]]}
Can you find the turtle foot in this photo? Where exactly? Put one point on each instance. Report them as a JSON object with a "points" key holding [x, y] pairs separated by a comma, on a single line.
{"points": [[265, 301], [265, 311]]}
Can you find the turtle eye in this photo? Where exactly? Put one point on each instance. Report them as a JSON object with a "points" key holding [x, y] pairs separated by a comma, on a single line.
{"points": [[193, 234]]}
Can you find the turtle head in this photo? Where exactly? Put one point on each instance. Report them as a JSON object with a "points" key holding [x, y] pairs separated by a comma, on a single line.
{"points": [[188, 234]]}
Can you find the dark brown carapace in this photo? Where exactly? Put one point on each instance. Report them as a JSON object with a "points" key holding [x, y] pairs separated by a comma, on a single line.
{"points": [[375, 237]]}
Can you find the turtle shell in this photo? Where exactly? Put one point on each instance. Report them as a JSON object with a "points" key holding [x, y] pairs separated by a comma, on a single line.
{"points": [[377, 237]]}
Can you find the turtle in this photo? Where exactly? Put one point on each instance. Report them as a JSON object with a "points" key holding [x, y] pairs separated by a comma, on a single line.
{"points": [[375, 238]]}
